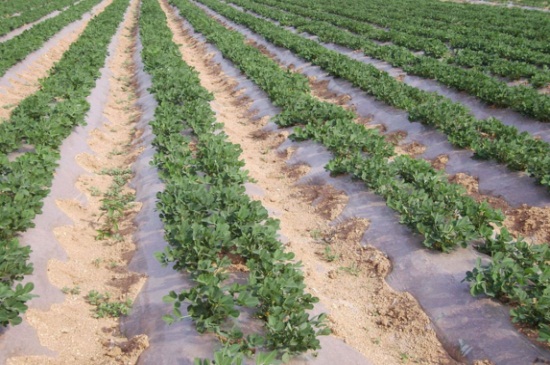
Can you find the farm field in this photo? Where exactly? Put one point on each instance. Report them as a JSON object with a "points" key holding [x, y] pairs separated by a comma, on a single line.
{"points": [[274, 181]]}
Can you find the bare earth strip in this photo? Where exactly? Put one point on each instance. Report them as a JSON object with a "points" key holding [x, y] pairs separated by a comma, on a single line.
{"points": [[385, 326], [23, 79], [70, 328]]}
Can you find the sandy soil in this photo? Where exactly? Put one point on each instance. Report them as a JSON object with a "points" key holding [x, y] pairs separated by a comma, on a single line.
{"points": [[387, 327], [532, 223], [320, 90], [26, 83], [70, 328], [440, 162]]}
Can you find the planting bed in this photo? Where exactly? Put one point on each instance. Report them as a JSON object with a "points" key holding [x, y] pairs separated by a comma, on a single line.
{"points": [[265, 181]]}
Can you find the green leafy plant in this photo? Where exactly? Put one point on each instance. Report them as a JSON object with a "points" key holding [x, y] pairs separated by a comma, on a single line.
{"points": [[426, 201], [74, 290], [104, 307], [353, 269], [210, 222], [330, 255], [114, 205], [39, 124]]}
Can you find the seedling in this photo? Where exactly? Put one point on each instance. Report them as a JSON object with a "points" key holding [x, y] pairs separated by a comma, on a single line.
{"points": [[330, 255], [316, 234], [74, 291], [114, 205], [116, 152], [96, 262], [94, 191], [104, 307], [353, 269], [115, 172]]}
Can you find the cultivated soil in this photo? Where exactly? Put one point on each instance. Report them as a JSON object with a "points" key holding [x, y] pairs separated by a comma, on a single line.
{"points": [[70, 328], [385, 326], [14, 87]]}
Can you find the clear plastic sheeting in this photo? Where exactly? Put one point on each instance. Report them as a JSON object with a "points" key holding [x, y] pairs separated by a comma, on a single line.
{"points": [[180, 343], [480, 328], [13, 73], [508, 5], [479, 109], [14, 33], [494, 179], [22, 340]]}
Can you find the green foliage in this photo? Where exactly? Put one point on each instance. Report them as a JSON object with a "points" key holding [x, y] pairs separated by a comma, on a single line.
{"points": [[104, 307], [519, 274], [17, 48], [12, 302], [426, 201], [209, 220], [39, 125], [34, 10], [114, 204], [489, 138], [13, 267]]}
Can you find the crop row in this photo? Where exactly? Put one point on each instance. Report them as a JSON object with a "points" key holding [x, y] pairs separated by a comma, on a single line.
{"points": [[433, 49], [17, 48], [495, 92], [38, 126], [425, 200], [455, 22], [32, 15], [210, 222], [11, 8], [436, 42], [488, 138]]}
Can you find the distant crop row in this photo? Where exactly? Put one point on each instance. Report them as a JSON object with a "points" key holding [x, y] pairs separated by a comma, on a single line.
{"points": [[37, 9], [17, 48], [210, 222], [453, 19], [489, 138], [463, 53], [328, 28], [425, 200], [421, 35], [35, 132], [11, 8]]}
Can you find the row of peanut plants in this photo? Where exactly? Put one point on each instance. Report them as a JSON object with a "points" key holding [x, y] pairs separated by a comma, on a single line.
{"points": [[13, 8], [17, 48], [433, 49], [505, 32], [40, 123], [210, 222], [488, 138], [32, 15], [441, 212]]}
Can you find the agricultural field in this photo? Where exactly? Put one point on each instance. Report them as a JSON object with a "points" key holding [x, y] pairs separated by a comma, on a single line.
{"points": [[274, 181]]}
